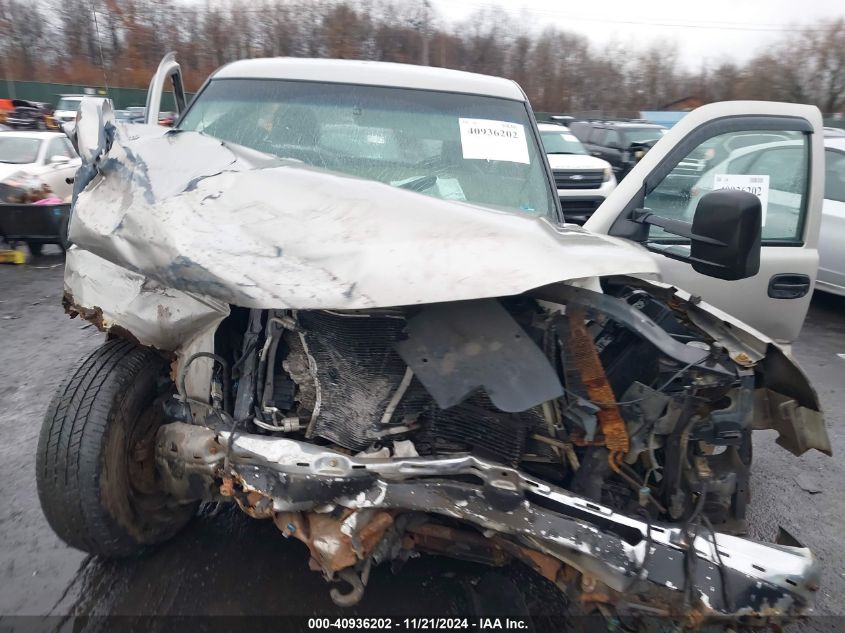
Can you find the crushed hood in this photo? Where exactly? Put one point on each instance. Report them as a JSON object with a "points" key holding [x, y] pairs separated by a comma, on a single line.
{"points": [[198, 215]]}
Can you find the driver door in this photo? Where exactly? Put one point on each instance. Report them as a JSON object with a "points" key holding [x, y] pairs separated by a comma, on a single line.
{"points": [[168, 70], [773, 150]]}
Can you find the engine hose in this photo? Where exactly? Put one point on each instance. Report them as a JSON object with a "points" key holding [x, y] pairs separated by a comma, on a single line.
{"points": [[615, 461], [183, 374]]}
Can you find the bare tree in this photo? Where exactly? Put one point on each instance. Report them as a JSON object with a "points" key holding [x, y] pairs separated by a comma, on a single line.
{"points": [[559, 70]]}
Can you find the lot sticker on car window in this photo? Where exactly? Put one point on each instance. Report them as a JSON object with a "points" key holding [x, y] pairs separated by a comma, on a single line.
{"points": [[486, 139], [568, 137], [758, 185]]}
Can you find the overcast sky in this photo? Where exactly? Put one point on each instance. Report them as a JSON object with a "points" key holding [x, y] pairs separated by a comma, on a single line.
{"points": [[710, 30]]}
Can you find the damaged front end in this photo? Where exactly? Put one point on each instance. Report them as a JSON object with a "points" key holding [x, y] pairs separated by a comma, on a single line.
{"points": [[613, 463], [593, 426]]}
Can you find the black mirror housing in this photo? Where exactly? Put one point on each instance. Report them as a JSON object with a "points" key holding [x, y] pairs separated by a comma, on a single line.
{"points": [[726, 235]]}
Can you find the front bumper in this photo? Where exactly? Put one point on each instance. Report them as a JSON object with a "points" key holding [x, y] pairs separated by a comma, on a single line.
{"points": [[645, 568]]}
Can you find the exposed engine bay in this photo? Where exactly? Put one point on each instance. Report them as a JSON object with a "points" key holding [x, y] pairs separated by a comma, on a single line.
{"points": [[604, 439], [516, 398]]}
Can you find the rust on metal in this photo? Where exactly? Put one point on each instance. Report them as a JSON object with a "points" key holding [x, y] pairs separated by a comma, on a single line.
{"points": [[595, 381], [227, 488], [336, 541], [94, 315], [255, 504]]}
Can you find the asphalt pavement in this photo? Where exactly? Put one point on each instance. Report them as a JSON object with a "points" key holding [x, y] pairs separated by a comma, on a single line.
{"points": [[233, 565]]}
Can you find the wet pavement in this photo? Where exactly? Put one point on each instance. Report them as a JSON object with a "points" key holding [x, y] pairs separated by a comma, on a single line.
{"points": [[233, 565]]}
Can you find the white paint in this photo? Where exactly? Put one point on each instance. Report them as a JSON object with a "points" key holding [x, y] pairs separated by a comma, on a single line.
{"points": [[487, 139]]}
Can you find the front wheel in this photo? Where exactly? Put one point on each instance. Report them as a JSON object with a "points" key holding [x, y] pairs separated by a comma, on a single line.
{"points": [[95, 463]]}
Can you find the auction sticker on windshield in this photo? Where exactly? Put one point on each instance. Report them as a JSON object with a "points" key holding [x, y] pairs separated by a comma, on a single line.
{"points": [[486, 139], [758, 185]]}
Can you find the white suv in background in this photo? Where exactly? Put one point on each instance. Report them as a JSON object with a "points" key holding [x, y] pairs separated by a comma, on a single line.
{"points": [[582, 181]]}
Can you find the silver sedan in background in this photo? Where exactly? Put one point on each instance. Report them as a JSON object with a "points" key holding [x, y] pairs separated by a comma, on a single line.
{"points": [[832, 236]]}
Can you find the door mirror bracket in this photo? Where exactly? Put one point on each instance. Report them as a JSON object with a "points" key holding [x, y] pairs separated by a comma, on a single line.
{"points": [[725, 234]]}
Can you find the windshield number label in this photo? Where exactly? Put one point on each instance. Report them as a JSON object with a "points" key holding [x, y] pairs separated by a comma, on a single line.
{"points": [[758, 185], [485, 139]]}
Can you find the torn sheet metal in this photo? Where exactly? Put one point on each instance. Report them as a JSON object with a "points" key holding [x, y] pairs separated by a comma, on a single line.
{"points": [[156, 316], [208, 218], [130, 305], [648, 561]]}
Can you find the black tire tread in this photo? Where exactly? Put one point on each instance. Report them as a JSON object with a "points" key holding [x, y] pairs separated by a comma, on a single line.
{"points": [[87, 406]]}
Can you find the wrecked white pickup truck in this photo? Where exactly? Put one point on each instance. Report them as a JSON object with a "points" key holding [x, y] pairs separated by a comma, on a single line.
{"points": [[340, 295]]}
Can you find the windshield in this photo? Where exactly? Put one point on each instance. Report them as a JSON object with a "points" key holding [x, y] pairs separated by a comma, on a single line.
{"points": [[18, 150], [643, 135], [69, 104], [453, 146], [562, 142]]}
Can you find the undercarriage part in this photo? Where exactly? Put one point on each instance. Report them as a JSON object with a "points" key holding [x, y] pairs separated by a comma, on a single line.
{"points": [[337, 539], [647, 562], [356, 581]]}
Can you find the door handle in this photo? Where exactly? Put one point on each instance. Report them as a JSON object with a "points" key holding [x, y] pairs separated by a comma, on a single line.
{"points": [[789, 286]]}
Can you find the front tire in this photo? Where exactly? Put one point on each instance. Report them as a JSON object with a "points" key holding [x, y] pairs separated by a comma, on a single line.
{"points": [[35, 248], [95, 463]]}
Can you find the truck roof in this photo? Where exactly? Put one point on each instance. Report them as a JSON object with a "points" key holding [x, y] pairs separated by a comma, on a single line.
{"points": [[368, 73]]}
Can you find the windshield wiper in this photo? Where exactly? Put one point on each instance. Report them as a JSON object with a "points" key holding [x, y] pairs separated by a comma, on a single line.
{"points": [[559, 153], [419, 184]]}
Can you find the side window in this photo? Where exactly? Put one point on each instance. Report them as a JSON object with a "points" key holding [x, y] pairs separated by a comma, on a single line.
{"points": [[834, 175], [68, 148], [597, 135], [613, 139], [774, 170], [57, 147]]}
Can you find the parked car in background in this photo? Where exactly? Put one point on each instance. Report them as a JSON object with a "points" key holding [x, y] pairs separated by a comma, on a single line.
{"points": [[137, 113], [6, 107], [713, 152], [831, 277], [834, 132], [620, 143], [67, 107], [28, 115], [582, 181], [129, 115], [35, 166]]}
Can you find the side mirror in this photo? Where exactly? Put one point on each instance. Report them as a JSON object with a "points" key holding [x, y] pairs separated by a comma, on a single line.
{"points": [[58, 159], [726, 234]]}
